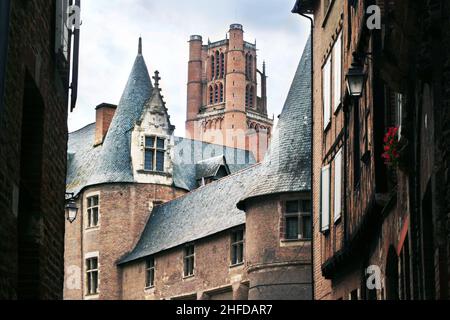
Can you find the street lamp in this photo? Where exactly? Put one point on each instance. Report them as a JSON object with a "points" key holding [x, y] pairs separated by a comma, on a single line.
{"points": [[71, 210], [355, 77]]}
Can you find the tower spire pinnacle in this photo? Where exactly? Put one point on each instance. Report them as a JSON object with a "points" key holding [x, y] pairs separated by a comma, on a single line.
{"points": [[140, 46]]}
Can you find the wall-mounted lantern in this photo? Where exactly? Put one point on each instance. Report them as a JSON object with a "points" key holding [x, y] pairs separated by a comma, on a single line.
{"points": [[356, 77], [71, 208]]}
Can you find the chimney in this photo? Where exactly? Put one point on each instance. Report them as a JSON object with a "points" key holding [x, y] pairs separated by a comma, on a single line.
{"points": [[104, 115]]}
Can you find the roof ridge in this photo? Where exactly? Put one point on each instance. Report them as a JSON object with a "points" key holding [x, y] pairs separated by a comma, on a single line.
{"points": [[82, 128], [212, 183]]}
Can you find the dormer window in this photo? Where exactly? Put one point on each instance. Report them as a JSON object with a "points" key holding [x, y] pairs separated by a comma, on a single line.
{"points": [[155, 150]]}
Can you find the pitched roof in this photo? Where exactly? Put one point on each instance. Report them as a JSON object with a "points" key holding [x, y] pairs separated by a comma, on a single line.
{"points": [[287, 166], [114, 162], [203, 212], [209, 167]]}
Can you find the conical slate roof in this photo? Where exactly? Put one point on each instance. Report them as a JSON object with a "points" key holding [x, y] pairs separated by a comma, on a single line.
{"points": [[287, 166], [114, 163]]}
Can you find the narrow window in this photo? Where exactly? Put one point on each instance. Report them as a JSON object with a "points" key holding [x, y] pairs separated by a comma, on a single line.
{"points": [[250, 98], [298, 220], [211, 95], [155, 151], [150, 272], [217, 64], [338, 186], [237, 247], [326, 87], [189, 260], [337, 71], [216, 94], [325, 200], [250, 67], [222, 65], [221, 92], [212, 67], [92, 276], [92, 211], [246, 67], [247, 96]]}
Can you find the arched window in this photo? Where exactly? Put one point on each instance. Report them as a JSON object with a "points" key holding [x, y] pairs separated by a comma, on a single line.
{"points": [[212, 67], [222, 65], [211, 95], [221, 92], [217, 64], [216, 94]]}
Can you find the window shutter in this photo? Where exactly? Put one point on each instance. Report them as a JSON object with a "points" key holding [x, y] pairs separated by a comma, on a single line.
{"points": [[338, 186], [337, 71], [325, 199], [142, 152], [326, 78]]}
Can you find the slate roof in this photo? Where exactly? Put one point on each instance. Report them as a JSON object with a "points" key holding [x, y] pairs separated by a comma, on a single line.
{"points": [[212, 208], [199, 214], [83, 160], [287, 166], [111, 162], [188, 153], [209, 167], [82, 157], [114, 162]]}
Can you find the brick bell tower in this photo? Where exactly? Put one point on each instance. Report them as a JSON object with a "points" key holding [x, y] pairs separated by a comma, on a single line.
{"points": [[223, 105]]}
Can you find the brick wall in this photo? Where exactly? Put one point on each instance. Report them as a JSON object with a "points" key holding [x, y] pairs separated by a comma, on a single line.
{"points": [[277, 268], [124, 211], [31, 53], [213, 275]]}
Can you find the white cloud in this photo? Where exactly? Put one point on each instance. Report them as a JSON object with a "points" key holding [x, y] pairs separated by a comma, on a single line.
{"points": [[109, 39]]}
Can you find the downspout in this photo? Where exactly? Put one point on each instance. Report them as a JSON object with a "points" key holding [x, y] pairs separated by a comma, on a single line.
{"points": [[311, 20], [5, 6]]}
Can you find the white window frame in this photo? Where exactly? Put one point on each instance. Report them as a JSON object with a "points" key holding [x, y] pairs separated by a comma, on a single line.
{"points": [[89, 208], [235, 244], [88, 272], [186, 258], [150, 272], [338, 186], [155, 151], [337, 72], [325, 199], [326, 92]]}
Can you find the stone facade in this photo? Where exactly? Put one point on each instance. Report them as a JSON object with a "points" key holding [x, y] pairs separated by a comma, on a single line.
{"points": [[222, 102], [33, 139]]}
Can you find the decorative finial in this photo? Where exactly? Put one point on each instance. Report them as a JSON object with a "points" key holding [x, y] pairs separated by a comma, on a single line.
{"points": [[140, 46], [157, 78]]}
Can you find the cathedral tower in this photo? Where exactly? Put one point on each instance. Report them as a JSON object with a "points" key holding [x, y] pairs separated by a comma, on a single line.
{"points": [[223, 105]]}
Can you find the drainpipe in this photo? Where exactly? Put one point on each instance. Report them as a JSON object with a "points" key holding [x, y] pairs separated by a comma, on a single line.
{"points": [[4, 32], [311, 20]]}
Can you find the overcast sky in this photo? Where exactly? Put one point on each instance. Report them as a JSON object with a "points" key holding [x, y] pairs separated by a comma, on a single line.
{"points": [[109, 41]]}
